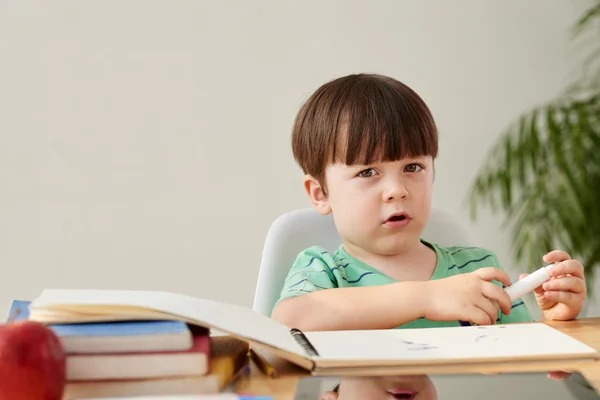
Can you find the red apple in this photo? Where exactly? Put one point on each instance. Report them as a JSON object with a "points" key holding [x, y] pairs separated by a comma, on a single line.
{"points": [[32, 362]]}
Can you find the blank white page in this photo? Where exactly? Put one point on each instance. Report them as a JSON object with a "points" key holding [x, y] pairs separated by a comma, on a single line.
{"points": [[452, 343]]}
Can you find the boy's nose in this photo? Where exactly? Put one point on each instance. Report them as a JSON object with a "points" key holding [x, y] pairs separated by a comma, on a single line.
{"points": [[395, 192]]}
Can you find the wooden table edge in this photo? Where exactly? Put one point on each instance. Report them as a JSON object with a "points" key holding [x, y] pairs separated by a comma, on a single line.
{"points": [[283, 387]]}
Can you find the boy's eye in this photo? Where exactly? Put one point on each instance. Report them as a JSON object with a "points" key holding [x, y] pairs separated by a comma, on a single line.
{"points": [[367, 173], [413, 168]]}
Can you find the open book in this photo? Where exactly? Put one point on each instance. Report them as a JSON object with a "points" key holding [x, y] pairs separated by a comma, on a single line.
{"points": [[328, 352]]}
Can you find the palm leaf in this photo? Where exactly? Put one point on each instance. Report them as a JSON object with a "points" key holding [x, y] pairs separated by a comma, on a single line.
{"points": [[545, 175], [587, 20], [544, 172]]}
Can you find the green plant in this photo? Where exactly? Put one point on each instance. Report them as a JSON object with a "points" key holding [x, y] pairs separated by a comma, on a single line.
{"points": [[544, 172]]}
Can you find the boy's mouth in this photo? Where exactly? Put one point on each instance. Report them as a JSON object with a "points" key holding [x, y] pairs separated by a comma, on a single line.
{"points": [[402, 394], [397, 217]]}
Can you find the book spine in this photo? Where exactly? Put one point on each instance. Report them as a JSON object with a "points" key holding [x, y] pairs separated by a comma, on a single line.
{"points": [[303, 341]]}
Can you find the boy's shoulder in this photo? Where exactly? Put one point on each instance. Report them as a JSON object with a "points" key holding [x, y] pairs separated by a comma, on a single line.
{"points": [[317, 254], [466, 251], [468, 258], [314, 269]]}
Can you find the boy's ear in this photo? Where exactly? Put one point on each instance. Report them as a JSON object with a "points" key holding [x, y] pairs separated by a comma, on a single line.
{"points": [[317, 195]]}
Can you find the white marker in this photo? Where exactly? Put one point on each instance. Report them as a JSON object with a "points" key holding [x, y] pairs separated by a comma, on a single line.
{"points": [[530, 282]]}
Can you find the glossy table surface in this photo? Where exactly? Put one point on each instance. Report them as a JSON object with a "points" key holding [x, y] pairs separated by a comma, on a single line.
{"points": [[507, 377]]}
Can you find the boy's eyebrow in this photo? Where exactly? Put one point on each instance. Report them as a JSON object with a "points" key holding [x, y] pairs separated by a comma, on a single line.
{"points": [[376, 162]]}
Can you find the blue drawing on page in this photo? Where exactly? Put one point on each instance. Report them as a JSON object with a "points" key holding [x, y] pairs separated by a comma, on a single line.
{"points": [[481, 337], [488, 335], [418, 346]]}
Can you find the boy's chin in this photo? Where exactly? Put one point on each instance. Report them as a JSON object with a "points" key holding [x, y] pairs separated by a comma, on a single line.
{"points": [[385, 244], [398, 243]]}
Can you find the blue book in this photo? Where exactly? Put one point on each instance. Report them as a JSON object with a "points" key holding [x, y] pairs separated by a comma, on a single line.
{"points": [[114, 337]]}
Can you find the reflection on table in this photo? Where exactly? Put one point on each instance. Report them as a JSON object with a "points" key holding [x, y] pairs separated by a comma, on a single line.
{"points": [[432, 387]]}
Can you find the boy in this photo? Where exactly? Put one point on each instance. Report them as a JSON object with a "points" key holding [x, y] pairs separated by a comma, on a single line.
{"points": [[367, 144]]}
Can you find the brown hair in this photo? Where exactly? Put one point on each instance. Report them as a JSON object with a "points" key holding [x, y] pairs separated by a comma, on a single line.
{"points": [[361, 119]]}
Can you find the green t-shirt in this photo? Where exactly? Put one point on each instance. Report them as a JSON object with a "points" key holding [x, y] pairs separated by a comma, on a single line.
{"points": [[316, 269]]}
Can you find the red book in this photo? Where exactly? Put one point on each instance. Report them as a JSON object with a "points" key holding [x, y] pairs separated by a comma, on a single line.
{"points": [[111, 366]]}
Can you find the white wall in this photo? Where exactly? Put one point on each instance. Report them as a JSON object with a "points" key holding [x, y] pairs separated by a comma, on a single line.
{"points": [[146, 144]]}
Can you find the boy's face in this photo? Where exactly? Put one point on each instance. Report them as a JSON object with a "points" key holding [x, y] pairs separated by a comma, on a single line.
{"points": [[384, 388], [381, 208]]}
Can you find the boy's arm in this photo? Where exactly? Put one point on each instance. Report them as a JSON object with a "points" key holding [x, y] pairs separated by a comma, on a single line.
{"points": [[353, 308], [308, 302], [311, 299]]}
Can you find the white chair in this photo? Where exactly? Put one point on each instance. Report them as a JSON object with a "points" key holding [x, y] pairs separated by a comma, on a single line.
{"points": [[297, 230]]}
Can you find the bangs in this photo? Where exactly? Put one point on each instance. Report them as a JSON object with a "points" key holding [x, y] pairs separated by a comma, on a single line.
{"points": [[381, 120], [362, 119]]}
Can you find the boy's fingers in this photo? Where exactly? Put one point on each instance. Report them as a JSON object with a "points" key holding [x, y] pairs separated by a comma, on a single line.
{"points": [[569, 267], [330, 395], [556, 256], [569, 299], [496, 293], [489, 308], [492, 273], [566, 283], [558, 375], [477, 316]]}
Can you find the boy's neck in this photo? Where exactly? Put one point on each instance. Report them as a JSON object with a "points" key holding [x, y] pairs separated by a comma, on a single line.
{"points": [[414, 262]]}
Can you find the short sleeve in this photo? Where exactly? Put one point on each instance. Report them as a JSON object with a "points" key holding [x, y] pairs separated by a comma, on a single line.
{"points": [[311, 271]]}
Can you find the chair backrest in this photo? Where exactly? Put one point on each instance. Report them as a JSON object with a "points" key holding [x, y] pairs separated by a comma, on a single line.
{"points": [[297, 230]]}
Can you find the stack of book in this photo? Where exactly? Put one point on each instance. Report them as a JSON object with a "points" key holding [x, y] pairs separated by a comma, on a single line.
{"points": [[142, 357], [535, 347]]}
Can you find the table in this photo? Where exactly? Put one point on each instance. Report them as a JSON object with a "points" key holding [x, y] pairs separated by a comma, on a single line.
{"points": [[283, 387]]}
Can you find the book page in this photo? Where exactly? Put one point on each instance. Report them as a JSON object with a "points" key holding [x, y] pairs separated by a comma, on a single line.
{"points": [[456, 344], [229, 318]]}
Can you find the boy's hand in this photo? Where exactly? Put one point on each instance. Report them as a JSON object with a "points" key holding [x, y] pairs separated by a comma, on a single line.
{"points": [[469, 297], [563, 296]]}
